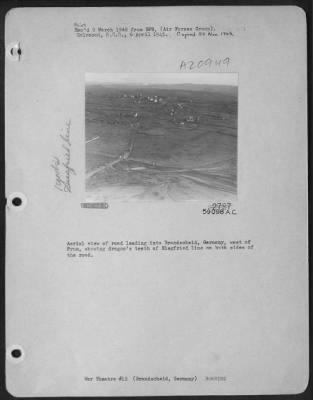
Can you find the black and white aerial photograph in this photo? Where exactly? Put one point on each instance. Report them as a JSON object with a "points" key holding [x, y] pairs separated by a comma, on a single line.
{"points": [[161, 137]]}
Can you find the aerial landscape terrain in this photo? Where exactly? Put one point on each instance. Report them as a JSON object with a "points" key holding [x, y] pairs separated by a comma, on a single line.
{"points": [[161, 142]]}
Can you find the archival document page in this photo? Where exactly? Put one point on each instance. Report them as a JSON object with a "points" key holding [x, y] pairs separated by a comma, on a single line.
{"points": [[156, 184]]}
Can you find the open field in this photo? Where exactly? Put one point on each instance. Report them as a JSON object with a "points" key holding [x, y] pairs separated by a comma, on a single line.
{"points": [[161, 142]]}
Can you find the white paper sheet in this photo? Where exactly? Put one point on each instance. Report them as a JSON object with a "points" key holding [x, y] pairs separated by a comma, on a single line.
{"points": [[161, 158]]}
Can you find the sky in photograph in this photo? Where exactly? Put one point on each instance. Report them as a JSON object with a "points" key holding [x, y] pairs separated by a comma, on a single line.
{"points": [[174, 78]]}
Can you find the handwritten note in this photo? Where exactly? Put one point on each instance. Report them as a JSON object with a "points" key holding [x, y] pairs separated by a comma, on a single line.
{"points": [[207, 62], [62, 165]]}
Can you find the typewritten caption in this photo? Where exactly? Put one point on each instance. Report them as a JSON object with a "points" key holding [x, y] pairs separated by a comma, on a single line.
{"points": [[94, 248], [164, 379], [84, 30]]}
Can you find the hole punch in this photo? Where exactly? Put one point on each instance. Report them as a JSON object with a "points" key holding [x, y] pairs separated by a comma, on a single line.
{"points": [[15, 354], [14, 51], [17, 201]]}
